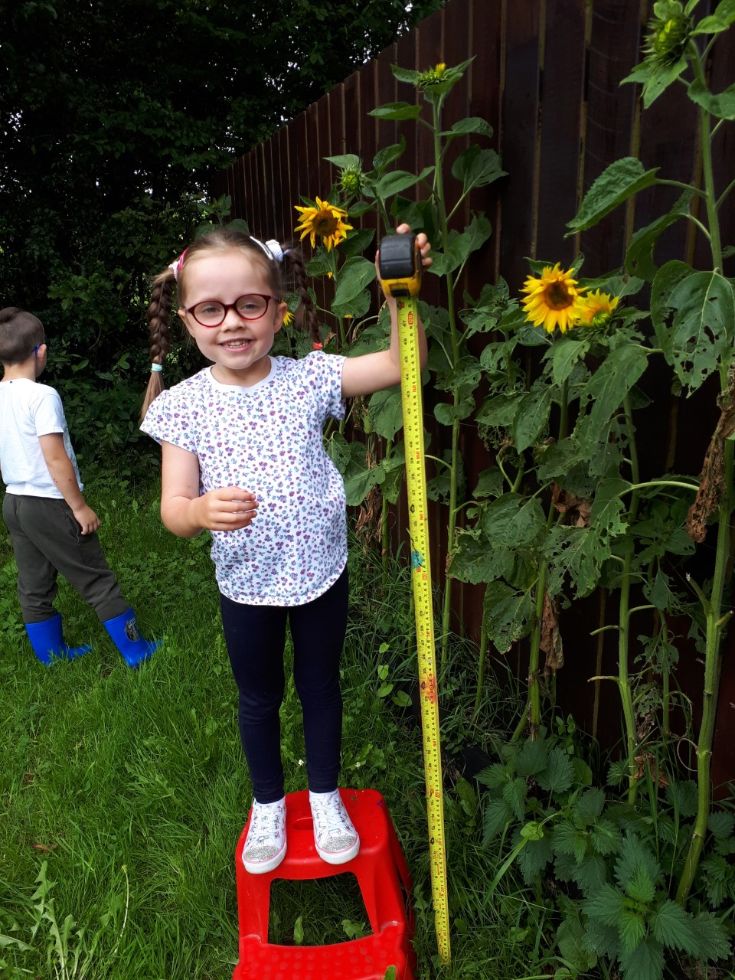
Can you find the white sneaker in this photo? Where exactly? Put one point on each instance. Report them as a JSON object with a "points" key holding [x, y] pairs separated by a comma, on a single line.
{"points": [[335, 837], [265, 844]]}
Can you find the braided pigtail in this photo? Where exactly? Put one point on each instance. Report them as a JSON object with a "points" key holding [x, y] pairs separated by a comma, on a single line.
{"points": [[294, 266], [159, 328]]}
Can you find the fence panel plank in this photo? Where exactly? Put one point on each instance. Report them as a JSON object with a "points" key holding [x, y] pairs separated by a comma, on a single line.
{"points": [[561, 125], [518, 136], [614, 47]]}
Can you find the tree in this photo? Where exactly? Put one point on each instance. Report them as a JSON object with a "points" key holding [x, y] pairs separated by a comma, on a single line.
{"points": [[113, 117]]}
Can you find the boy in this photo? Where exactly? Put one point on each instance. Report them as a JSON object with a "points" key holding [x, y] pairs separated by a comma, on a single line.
{"points": [[52, 528]]}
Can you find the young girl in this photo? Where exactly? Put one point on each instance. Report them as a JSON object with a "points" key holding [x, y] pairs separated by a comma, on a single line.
{"points": [[242, 455]]}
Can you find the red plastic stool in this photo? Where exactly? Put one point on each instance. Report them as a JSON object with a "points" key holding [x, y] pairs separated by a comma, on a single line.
{"points": [[385, 883]]}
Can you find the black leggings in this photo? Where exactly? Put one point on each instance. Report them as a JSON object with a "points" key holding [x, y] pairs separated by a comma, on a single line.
{"points": [[255, 637]]}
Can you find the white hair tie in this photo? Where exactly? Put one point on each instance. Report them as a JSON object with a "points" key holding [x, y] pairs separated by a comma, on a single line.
{"points": [[271, 248]]}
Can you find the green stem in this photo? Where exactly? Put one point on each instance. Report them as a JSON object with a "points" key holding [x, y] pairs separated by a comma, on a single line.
{"points": [[702, 227], [534, 690], [715, 622], [666, 689], [680, 184], [455, 341], [712, 666], [626, 694], [563, 410], [721, 199], [481, 658], [600, 649], [707, 170], [659, 483]]}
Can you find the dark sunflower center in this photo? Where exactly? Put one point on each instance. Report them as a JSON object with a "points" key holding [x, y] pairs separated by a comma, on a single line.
{"points": [[557, 296], [325, 223]]}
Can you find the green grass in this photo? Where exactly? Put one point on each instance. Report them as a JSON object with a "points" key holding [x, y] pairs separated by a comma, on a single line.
{"points": [[123, 793]]}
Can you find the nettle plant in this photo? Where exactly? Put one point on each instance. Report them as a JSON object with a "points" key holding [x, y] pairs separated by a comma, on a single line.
{"points": [[438, 191], [611, 864], [565, 511]]}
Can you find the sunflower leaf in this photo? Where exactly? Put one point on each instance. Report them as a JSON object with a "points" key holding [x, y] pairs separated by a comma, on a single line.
{"points": [[476, 167], [396, 111], [509, 614], [721, 105], [720, 20], [693, 315], [639, 257], [475, 560], [606, 390], [384, 409], [355, 275], [399, 180], [405, 74], [621, 180], [345, 161], [655, 78], [388, 154], [472, 124]]}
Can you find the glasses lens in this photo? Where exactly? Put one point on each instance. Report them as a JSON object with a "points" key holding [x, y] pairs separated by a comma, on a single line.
{"points": [[210, 313], [251, 307]]}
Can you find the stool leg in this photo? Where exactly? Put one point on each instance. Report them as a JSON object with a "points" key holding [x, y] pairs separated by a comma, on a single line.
{"points": [[253, 902]]}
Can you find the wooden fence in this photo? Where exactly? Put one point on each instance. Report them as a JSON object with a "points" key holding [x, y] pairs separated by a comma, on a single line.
{"points": [[546, 75]]}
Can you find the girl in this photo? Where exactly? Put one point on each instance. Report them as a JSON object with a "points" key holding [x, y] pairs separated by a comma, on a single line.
{"points": [[242, 455]]}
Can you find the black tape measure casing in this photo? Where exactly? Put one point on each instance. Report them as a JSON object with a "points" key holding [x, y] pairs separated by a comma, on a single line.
{"points": [[399, 265]]}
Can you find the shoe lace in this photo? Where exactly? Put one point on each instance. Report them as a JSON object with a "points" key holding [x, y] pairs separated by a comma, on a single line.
{"points": [[331, 817], [265, 825]]}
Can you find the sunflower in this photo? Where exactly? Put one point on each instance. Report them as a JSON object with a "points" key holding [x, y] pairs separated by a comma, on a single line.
{"points": [[553, 299], [288, 318], [596, 308], [325, 220]]}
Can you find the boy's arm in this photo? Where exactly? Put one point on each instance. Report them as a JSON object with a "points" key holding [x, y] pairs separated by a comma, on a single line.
{"points": [[62, 473], [370, 372], [185, 512]]}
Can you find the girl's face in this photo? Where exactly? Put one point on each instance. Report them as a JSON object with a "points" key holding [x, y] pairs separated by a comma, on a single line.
{"points": [[237, 347]]}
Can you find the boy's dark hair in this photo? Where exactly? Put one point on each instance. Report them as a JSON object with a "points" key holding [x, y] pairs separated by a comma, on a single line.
{"points": [[20, 332]]}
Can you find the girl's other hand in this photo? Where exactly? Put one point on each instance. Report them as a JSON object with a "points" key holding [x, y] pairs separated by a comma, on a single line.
{"points": [[225, 509]]}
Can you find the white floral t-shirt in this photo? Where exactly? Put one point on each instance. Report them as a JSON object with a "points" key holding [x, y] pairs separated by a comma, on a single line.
{"points": [[267, 439]]}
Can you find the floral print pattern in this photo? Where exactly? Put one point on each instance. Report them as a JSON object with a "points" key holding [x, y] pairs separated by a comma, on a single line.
{"points": [[267, 438]]}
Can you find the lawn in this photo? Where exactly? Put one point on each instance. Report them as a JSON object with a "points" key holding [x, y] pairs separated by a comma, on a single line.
{"points": [[122, 793]]}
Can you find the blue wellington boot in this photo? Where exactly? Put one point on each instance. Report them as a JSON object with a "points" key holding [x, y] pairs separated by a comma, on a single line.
{"points": [[123, 631], [47, 640]]}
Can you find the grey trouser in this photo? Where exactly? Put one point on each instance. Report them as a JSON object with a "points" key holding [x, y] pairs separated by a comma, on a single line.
{"points": [[47, 540]]}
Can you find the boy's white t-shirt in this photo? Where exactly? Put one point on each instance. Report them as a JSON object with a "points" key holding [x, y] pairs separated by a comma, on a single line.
{"points": [[29, 410]]}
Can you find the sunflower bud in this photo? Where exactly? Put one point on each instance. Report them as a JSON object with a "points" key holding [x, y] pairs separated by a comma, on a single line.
{"points": [[433, 76], [668, 33], [350, 181]]}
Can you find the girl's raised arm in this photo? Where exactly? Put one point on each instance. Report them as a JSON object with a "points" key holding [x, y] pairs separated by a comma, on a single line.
{"points": [[370, 372]]}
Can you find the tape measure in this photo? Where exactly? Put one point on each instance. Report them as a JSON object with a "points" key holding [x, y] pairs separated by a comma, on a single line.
{"points": [[400, 277]]}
